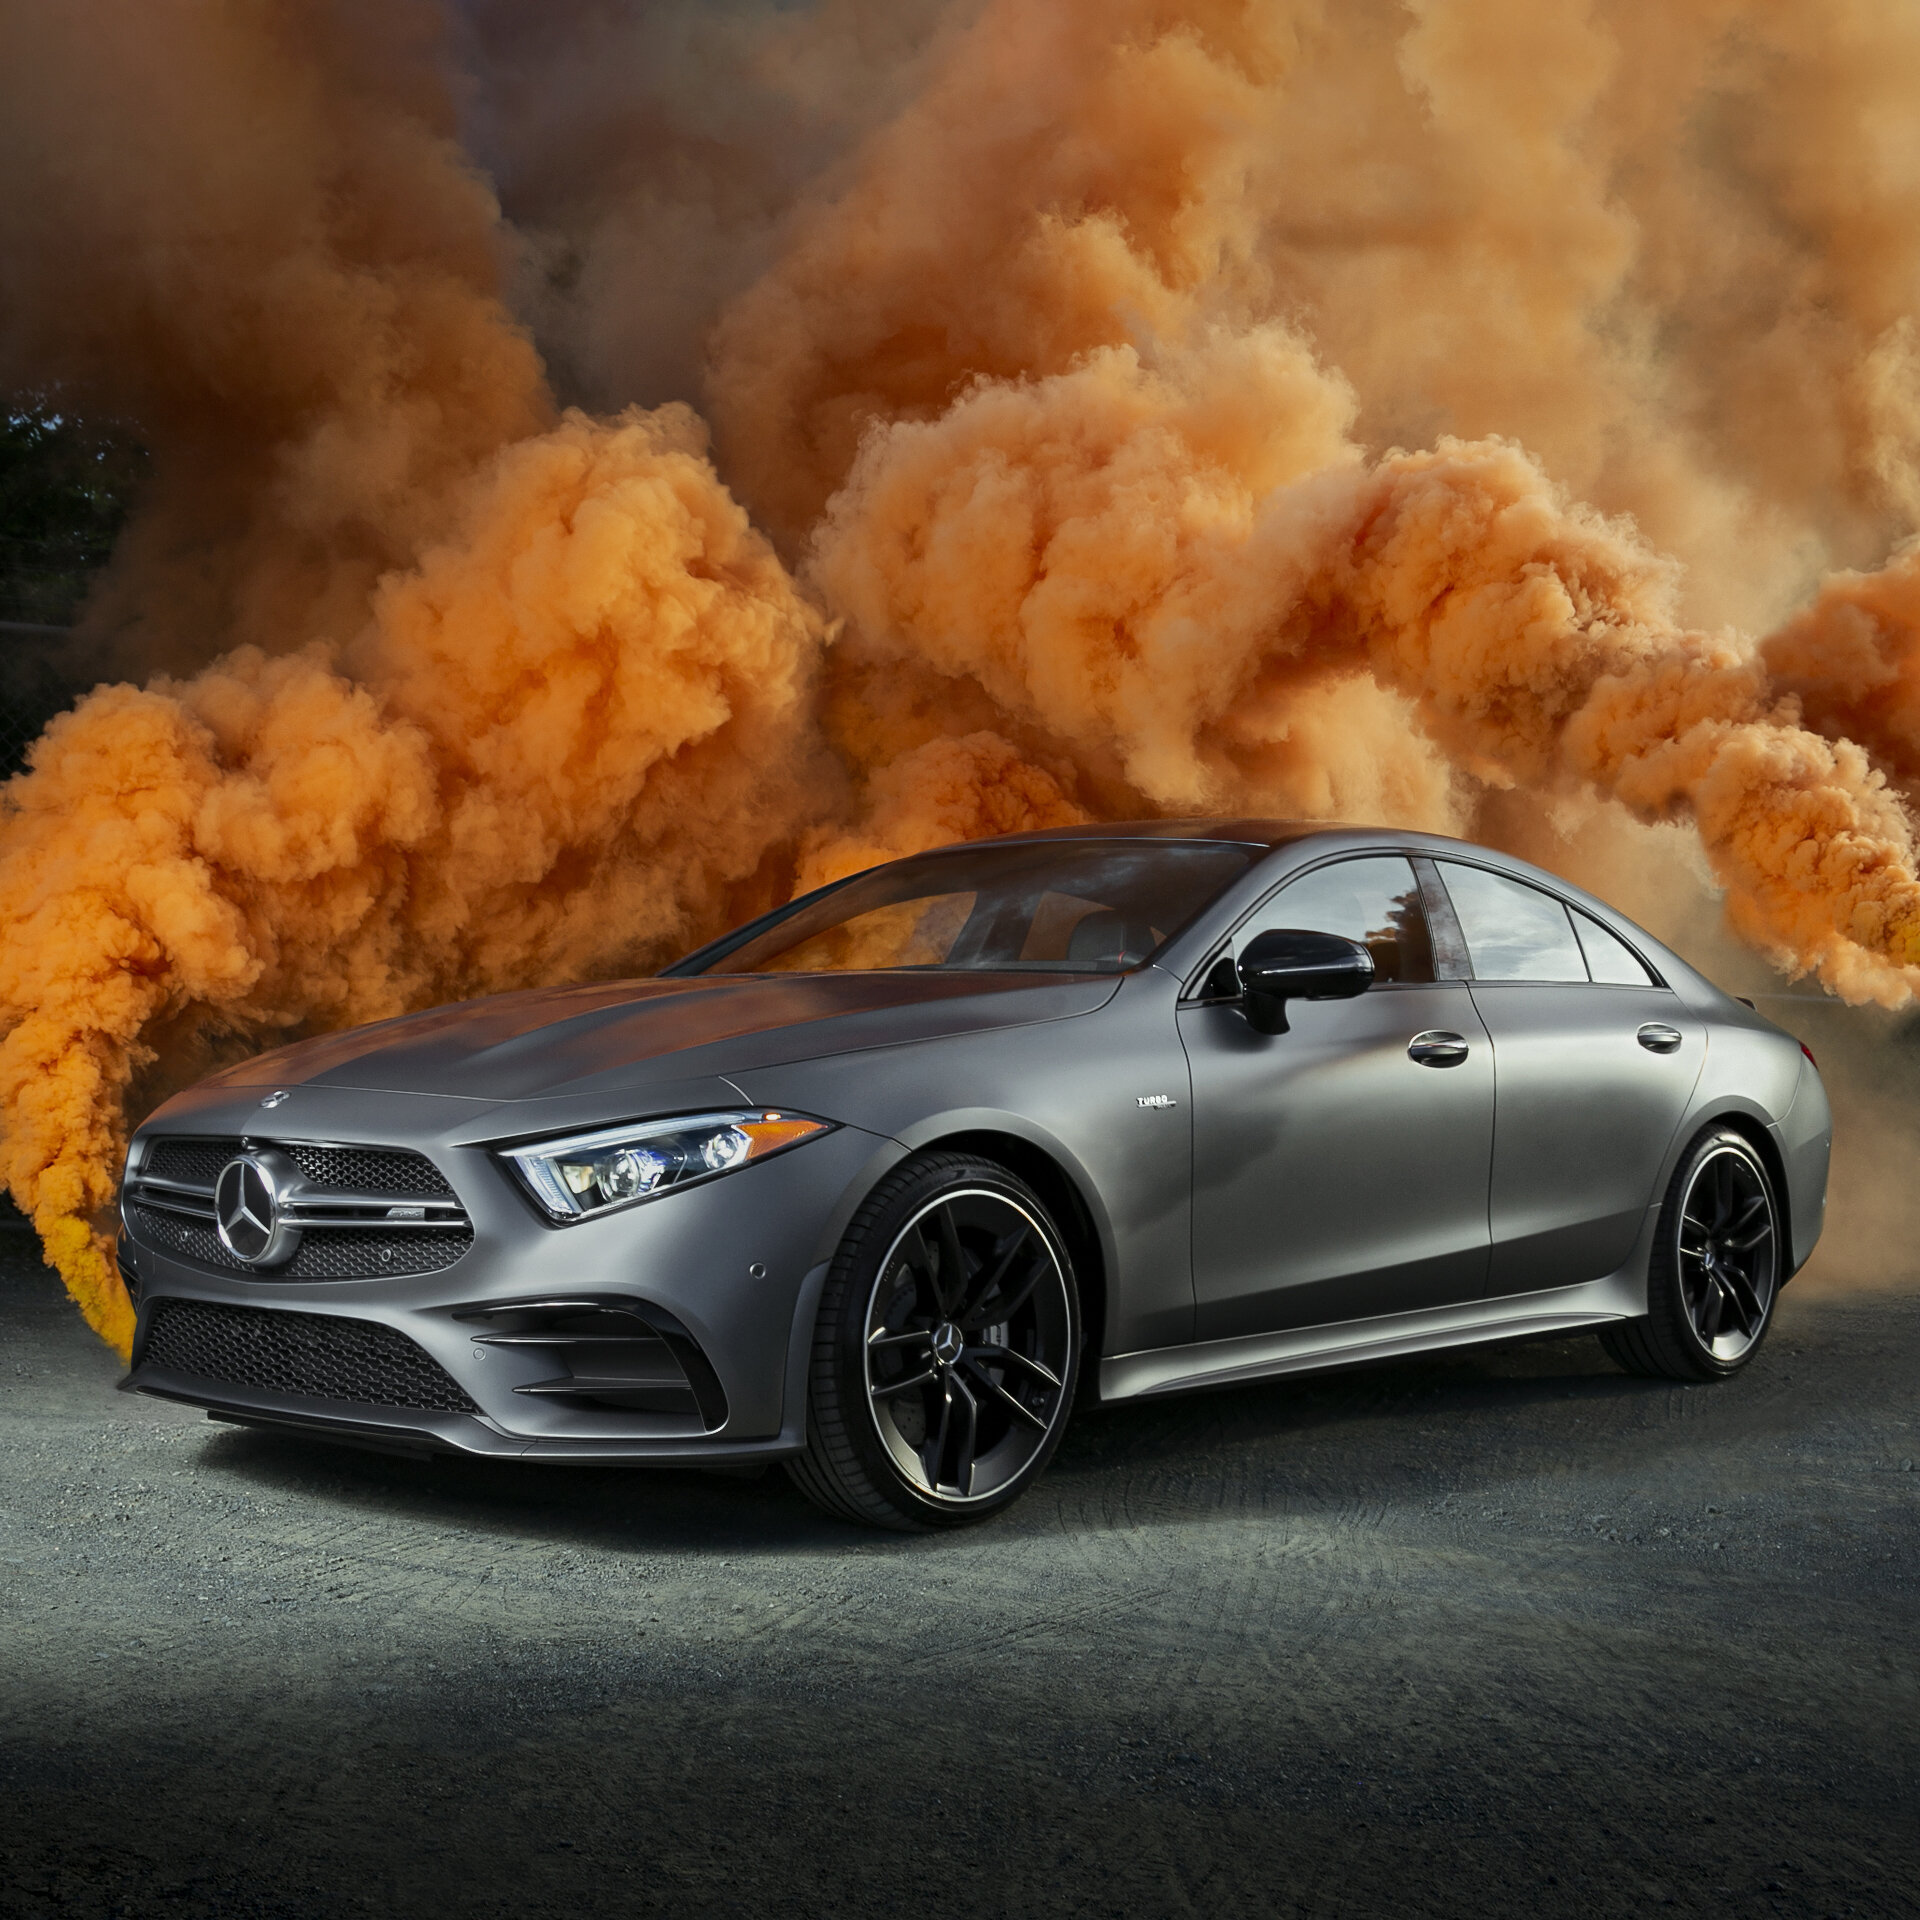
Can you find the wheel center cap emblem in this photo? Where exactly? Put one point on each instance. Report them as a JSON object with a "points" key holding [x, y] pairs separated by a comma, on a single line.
{"points": [[246, 1212], [948, 1343]]}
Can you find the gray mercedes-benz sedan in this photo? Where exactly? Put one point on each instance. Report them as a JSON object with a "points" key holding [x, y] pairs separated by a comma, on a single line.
{"points": [[883, 1183]]}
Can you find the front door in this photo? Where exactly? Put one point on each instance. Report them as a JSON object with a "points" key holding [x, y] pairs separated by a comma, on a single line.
{"points": [[1340, 1170], [1594, 1066]]}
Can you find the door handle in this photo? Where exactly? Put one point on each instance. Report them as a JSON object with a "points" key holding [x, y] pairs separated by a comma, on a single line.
{"points": [[1439, 1049], [1658, 1039]]}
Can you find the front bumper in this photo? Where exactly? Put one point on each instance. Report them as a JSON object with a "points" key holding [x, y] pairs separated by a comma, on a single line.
{"points": [[419, 1433], [730, 1270]]}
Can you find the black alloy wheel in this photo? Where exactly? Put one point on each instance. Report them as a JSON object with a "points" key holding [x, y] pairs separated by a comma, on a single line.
{"points": [[946, 1351], [1716, 1267]]}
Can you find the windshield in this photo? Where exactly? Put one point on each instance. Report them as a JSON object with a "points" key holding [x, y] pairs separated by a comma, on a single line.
{"points": [[1060, 906]]}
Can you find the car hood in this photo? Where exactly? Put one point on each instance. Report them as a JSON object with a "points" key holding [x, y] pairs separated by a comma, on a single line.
{"points": [[582, 1040]]}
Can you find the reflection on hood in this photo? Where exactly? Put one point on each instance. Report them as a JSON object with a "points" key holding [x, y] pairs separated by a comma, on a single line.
{"points": [[519, 1046]]}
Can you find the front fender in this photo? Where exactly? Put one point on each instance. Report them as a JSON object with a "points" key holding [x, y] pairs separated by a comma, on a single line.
{"points": [[1105, 1097]]}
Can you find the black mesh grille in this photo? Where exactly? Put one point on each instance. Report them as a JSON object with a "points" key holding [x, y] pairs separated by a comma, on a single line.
{"points": [[198, 1162], [310, 1354], [349, 1169], [366, 1169], [327, 1253]]}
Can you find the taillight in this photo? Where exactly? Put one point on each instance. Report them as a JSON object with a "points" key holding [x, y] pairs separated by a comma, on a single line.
{"points": [[1811, 1061]]}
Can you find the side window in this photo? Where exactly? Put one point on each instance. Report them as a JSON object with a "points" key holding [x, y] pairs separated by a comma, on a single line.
{"points": [[1609, 959], [1513, 931], [1374, 900]]}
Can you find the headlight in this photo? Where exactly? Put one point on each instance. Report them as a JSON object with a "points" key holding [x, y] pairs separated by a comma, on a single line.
{"points": [[589, 1173]]}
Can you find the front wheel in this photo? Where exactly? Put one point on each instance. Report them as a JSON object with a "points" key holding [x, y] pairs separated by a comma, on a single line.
{"points": [[945, 1353], [1716, 1267]]}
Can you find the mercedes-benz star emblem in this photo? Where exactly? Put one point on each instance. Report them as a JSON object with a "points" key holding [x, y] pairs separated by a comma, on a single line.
{"points": [[247, 1212]]}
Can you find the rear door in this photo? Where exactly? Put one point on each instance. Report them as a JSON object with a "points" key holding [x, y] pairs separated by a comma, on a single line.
{"points": [[1340, 1170], [1594, 1064]]}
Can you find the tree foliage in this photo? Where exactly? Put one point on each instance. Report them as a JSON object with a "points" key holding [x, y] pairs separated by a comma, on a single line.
{"points": [[65, 487]]}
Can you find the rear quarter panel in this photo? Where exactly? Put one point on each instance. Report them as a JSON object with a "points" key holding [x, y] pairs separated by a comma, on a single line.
{"points": [[1806, 1147], [1758, 1073]]}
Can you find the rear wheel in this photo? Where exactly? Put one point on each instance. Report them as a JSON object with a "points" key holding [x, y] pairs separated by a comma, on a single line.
{"points": [[1716, 1266], [945, 1353]]}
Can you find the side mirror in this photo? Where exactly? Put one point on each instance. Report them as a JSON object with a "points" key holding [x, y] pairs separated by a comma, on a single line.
{"points": [[1290, 963]]}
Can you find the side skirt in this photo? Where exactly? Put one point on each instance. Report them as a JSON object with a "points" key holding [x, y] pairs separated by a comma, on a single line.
{"points": [[1212, 1363]]}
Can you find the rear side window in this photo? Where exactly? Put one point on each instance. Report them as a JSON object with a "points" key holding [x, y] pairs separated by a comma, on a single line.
{"points": [[1375, 900], [1609, 959], [1513, 931]]}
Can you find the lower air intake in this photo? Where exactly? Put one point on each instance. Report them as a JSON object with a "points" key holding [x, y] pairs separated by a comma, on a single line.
{"points": [[308, 1354], [612, 1352]]}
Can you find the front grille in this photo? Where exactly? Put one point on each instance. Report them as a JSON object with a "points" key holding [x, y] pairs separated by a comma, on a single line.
{"points": [[312, 1355], [367, 1169], [197, 1162], [341, 1213], [349, 1169], [337, 1253]]}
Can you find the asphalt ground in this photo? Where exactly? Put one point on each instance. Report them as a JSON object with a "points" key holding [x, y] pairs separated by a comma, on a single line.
{"points": [[1496, 1633]]}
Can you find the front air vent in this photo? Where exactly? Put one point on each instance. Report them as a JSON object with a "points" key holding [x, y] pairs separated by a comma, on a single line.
{"points": [[361, 1213], [308, 1355], [609, 1351]]}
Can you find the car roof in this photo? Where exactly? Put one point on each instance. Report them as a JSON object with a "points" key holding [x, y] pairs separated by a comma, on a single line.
{"points": [[1247, 833], [1271, 836]]}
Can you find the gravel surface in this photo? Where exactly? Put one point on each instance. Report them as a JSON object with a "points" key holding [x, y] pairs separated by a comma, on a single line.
{"points": [[1501, 1633]]}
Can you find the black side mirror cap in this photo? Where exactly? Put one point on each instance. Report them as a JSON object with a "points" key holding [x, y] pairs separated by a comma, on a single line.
{"points": [[1291, 963]]}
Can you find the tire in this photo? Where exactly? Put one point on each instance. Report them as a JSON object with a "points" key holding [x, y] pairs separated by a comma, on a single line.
{"points": [[1714, 1276], [934, 1403]]}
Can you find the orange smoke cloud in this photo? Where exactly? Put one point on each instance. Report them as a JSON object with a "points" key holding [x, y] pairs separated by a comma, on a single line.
{"points": [[1852, 660], [564, 735], [1069, 177], [1071, 397], [1090, 551], [250, 230]]}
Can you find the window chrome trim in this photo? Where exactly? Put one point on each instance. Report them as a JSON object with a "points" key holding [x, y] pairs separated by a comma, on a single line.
{"points": [[1657, 979], [1193, 988]]}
